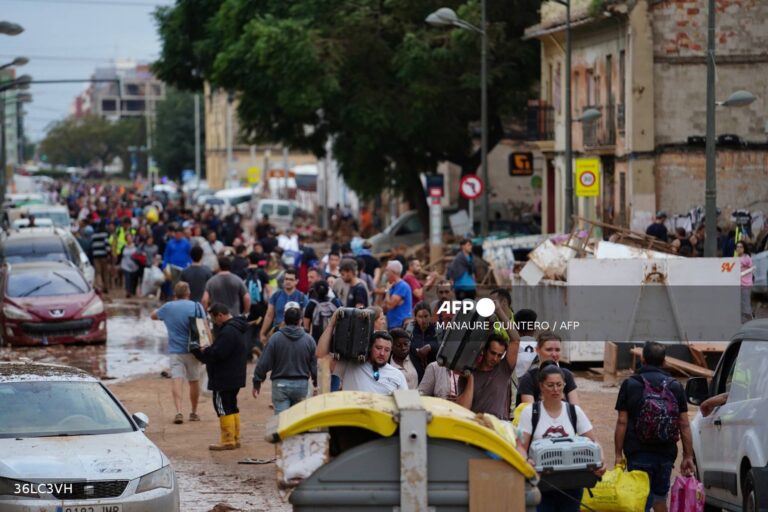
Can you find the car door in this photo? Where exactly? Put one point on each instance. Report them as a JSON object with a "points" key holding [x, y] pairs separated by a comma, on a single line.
{"points": [[740, 422], [709, 456]]}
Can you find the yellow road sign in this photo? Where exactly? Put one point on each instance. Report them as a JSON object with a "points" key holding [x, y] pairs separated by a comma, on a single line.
{"points": [[587, 177], [254, 175]]}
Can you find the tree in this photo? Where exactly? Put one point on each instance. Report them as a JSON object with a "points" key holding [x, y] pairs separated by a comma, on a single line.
{"points": [[174, 147], [394, 95], [82, 141]]}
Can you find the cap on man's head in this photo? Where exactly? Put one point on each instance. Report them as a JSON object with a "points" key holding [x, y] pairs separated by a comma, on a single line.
{"points": [[291, 305], [367, 244], [661, 214]]}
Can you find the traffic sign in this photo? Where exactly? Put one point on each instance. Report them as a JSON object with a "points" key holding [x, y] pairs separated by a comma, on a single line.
{"points": [[254, 175], [471, 186], [587, 177]]}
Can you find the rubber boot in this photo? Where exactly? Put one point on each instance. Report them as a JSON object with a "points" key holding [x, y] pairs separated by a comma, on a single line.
{"points": [[227, 425], [237, 429]]}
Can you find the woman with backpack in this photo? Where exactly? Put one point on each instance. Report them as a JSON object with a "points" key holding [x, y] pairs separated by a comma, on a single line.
{"points": [[553, 417], [320, 309], [548, 348]]}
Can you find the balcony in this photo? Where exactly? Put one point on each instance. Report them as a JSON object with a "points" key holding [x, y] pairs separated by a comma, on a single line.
{"points": [[600, 132], [540, 121]]}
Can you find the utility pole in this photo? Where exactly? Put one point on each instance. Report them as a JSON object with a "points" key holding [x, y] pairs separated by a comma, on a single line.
{"points": [[197, 138], [228, 135], [710, 194]]}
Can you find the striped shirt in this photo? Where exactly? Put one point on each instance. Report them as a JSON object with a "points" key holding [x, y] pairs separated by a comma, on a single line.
{"points": [[99, 244]]}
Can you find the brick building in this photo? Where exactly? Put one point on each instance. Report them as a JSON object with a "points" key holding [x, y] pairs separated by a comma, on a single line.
{"points": [[641, 63]]}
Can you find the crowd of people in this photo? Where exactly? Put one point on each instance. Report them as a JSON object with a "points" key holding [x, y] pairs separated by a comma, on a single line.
{"points": [[271, 296]]}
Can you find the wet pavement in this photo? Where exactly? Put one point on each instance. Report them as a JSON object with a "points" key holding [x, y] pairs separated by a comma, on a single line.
{"points": [[135, 345]]}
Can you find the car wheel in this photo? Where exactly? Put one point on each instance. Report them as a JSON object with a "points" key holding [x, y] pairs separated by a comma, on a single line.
{"points": [[749, 494]]}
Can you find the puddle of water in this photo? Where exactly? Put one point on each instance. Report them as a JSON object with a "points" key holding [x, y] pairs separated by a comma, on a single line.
{"points": [[136, 345]]}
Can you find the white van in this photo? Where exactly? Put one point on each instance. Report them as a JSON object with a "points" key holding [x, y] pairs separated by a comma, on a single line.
{"points": [[239, 198], [730, 445], [280, 212]]}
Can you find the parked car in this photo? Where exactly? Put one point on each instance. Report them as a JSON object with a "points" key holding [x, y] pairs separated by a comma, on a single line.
{"points": [[730, 445], [42, 244], [69, 445], [58, 215], [280, 212], [237, 198], [760, 273], [49, 302]]}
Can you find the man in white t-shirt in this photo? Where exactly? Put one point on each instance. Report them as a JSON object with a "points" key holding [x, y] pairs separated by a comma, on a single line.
{"points": [[375, 375]]}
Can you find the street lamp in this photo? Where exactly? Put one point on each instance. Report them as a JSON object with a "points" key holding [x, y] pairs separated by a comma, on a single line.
{"points": [[10, 29], [737, 99], [447, 17], [18, 61], [568, 121]]}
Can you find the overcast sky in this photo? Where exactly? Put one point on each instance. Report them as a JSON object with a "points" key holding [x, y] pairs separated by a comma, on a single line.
{"points": [[68, 39]]}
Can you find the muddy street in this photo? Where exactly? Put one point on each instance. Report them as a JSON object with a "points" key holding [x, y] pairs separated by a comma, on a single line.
{"points": [[131, 363]]}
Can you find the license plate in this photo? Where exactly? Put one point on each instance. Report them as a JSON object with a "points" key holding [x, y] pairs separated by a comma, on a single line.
{"points": [[90, 508]]}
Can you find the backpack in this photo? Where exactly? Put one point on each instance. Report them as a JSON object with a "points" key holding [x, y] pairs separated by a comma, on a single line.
{"points": [[322, 314], [254, 288], [657, 420], [536, 413]]}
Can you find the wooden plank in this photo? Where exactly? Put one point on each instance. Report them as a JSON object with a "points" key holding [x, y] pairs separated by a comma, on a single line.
{"points": [[684, 367], [495, 486], [324, 375], [610, 362]]}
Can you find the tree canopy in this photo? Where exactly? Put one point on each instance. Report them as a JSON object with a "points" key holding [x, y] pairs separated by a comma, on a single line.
{"points": [[82, 141], [393, 94], [174, 145]]}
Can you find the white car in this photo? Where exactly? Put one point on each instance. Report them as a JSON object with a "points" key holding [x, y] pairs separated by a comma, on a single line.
{"points": [[731, 444], [68, 445]]}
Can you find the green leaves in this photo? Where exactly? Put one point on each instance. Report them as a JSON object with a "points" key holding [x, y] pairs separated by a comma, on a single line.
{"points": [[395, 95]]}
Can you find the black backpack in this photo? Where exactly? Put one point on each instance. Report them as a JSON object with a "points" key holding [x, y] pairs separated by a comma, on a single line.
{"points": [[536, 413]]}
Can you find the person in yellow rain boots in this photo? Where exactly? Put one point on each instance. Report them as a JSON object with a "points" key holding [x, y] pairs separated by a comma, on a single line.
{"points": [[226, 359]]}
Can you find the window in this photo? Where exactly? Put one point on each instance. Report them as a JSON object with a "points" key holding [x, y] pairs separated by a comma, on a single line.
{"points": [[590, 93], [41, 408], [622, 78], [46, 284], [410, 227]]}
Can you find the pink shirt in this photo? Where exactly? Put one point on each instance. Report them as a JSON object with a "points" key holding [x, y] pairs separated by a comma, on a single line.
{"points": [[746, 263], [412, 282]]}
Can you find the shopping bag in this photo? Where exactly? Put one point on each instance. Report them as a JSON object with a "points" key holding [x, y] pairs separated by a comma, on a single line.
{"points": [[199, 335], [618, 491], [687, 495]]}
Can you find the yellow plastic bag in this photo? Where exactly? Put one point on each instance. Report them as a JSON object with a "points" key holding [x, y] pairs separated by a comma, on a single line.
{"points": [[619, 491]]}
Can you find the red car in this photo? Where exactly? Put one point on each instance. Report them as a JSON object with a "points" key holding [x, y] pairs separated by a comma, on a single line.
{"points": [[46, 303]]}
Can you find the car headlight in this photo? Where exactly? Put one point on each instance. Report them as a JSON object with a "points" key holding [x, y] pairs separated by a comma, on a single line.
{"points": [[94, 308], [18, 488], [162, 478], [15, 313]]}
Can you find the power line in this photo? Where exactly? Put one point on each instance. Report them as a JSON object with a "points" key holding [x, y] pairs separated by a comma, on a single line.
{"points": [[69, 58], [95, 2]]}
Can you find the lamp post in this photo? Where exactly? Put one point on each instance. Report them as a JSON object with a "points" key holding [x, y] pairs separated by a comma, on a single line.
{"points": [[18, 61], [447, 17], [737, 99], [10, 29], [569, 211]]}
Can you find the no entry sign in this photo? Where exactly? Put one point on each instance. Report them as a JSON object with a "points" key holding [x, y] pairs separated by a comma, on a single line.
{"points": [[471, 186]]}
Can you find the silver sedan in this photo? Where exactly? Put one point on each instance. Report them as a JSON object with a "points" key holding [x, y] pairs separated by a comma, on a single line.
{"points": [[68, 445]]}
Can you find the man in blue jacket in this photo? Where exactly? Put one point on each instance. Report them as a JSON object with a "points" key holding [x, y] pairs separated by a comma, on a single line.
{"points": [[177, 250], [226, 359]]}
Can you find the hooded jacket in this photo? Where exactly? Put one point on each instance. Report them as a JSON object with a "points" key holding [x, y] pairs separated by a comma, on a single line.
{"points": [[226, 358], [290, 354]]}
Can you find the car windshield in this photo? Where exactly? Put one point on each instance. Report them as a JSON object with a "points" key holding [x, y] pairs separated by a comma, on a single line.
{"points": [[45, 283], [34, 249], [239, 200], [59, 219], [43, 408]]}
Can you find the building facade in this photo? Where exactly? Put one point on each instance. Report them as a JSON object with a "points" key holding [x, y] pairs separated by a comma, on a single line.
{"points": [[641, 64]]}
